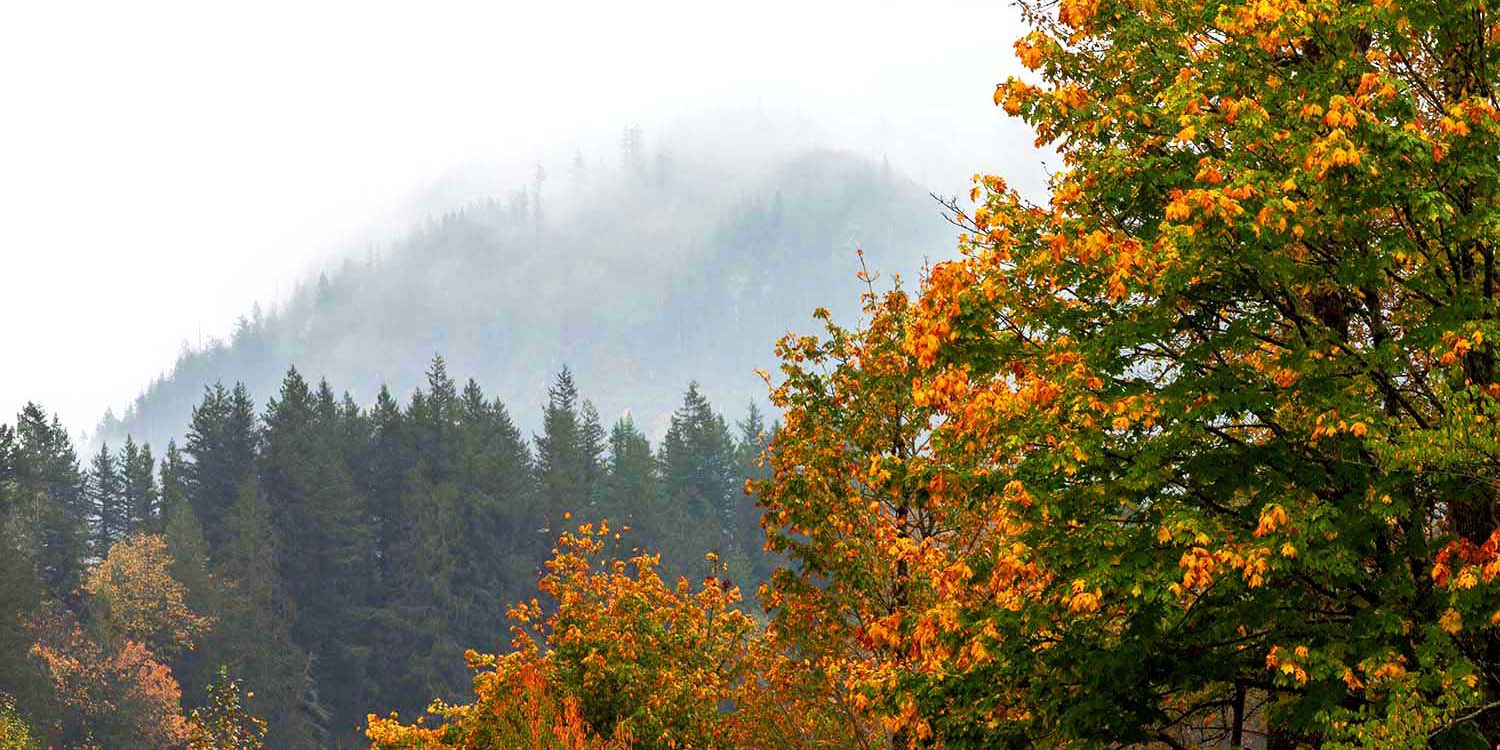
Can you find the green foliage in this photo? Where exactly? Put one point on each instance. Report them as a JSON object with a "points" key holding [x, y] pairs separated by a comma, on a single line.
{"points": [[224, 722], [15, 734], [698, 483], [348, 556], [110, 518]]}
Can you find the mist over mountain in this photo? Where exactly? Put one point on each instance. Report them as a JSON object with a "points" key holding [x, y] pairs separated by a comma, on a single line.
{"points": [[639, 274]]}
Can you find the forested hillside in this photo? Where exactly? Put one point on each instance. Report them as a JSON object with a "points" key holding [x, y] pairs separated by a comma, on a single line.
{"points": [[635, 276], [333, 557], [1201, 453]]}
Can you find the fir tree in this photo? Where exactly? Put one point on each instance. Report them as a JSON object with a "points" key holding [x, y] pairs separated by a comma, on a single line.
{"points": [[111, 517], [381, 482], [221, 441], [255, 634], [139, 497], [569, 450], [50, 492], [320, 516], [630, 491], [696, 462], [173, 479]]}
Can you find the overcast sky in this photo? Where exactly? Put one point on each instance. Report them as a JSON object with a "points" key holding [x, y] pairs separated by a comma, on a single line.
{"points": [[164, 165]]}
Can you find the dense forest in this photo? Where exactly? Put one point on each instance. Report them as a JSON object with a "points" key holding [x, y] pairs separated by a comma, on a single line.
{"points": [[334, 558], [632, 274]]}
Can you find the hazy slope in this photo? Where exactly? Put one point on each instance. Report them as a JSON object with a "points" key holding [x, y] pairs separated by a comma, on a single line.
{"points": [[639, 280]]}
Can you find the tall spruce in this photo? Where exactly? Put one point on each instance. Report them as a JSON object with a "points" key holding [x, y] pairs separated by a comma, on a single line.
{"points": [[698, 478], [50, 493], [172, 478], [631, 490], [320, 517], [221, 441], [138, 494], [493, 477], [382, 480], [569, 451], [255, 635], [110, 517], [19, 592], [751, 468]]}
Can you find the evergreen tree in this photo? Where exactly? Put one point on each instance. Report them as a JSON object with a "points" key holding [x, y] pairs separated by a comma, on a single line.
{"points": [[753, 441], [221, 441], [321, 518], [569, 450], [139, 498], [494, 483], [111, 518], [173, 475], [205, 594], [19, 592], [592, 445], [254, 636], [435, 420], [8, 459], [630, 491], [50, 492], [417, 653], [381, 482], [698, 477]]}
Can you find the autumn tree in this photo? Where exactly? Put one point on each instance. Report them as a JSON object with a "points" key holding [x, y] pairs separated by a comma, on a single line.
{"points": [[1227, 400], [15, 733], [620, 658], [133, 597], [109, 668], [879, 533], [224, 721]]}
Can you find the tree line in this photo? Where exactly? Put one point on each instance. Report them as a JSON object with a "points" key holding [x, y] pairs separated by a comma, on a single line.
{"points": [[340, 557]]}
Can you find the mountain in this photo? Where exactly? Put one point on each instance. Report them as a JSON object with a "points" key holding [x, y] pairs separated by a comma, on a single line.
{"points": [[639, 278]]}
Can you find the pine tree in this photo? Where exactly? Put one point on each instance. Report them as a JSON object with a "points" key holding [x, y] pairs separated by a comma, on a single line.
{"points": [[8, 458], [592, 446], [435, 420]]}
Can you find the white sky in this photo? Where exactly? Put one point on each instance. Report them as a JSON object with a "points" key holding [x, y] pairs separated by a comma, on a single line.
{"points": [[164, 165]]}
